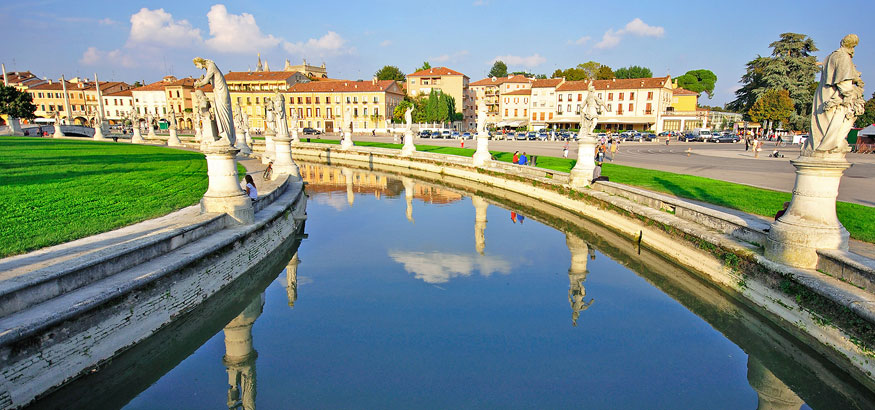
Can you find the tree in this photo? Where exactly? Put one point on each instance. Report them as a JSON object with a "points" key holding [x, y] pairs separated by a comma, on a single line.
{"points": [[868, 117], [589, 70], [390, 72], [425, 66], [791, 67], [773, 105], [15, 103], [137, 84], [541, 77], [604, 73], [698, 81], [633, 72], [499, 69], [571, 74]]}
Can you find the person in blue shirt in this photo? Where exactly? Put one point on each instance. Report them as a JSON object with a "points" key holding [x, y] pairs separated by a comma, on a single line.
{"points": [[523, 159]]}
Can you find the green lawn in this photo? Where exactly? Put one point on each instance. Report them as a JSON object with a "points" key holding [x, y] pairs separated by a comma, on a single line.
{"points": [[55, 191], [859, 220]]}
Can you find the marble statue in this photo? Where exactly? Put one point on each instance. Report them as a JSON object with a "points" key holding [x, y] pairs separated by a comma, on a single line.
{"points": [[837, 102], [408, 148], [482, 155], [293, 116], [408, 117], [279, 109], [207, 122], [481, 116], [246, 128], [172, 119], [269, 116], [196, 102], [592, 108], [221, 99]]}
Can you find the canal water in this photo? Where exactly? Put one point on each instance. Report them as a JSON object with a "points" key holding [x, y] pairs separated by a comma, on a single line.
{"points": [[408, 294]]}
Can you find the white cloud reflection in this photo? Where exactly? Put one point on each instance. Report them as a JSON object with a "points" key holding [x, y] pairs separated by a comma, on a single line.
{"points": [[440, 267]]}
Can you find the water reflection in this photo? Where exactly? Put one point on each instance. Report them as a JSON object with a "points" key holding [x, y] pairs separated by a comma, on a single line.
{"points": [[408, 196], [480, 206], [239, 359], [772, 393], [440, 267], [581, 252], [292, 280]]}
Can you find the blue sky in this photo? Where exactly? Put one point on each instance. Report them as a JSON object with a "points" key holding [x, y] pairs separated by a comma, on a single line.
{"points": [[129, 41]]}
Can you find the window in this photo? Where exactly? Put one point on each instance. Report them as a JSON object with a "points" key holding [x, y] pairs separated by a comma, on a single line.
{"points": [[648, 109], [51, 107], [258, 100], [337, 99], [317, 101], [300, 100], [177, 93], [355, 99], [376, 99], [619, 109], [239, 100], [579, 97], [620, 97], [542, 116], [412, 81], [248, 101], [317, 111], [568, 108], [300, 112], [525, 100], [525, 112], [534, 116], [309, 112], [348, 100], [515, 113], [376, 111], [609, 108], [505, 112], [355, 112], [329, 111], [551, 115], [307, 100], [650, 95], [516, 100], [560, 97], [630, 107], [631, 96], [610, 97]]}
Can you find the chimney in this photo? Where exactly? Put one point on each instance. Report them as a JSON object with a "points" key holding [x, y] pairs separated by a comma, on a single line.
{"points": [[375, 80]]}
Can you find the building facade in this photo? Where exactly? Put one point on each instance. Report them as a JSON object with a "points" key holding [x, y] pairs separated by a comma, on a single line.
{"points": [[447, 81], [490, 91], [514, 108]]}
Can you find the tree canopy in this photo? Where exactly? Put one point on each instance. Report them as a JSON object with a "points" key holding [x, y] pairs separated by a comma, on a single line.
{"points": [[698, 81], [589, 70], [773, 105], [425, 66], [868, 117], [791, 67], [15, 103], [435, 107], [390, 72], [633, 72], [499, 69]]}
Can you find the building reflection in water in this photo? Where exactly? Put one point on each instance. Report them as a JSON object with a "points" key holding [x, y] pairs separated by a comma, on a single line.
{"points": [[292, 280], [480, 206], [773, 394], [580, 253], [240, 356]]}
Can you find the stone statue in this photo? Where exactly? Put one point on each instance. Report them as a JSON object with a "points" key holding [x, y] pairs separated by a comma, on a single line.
{"points": [[408, 117], [348, 119], [293, 115], [269, 117], [279, 109], [837, 102], [592, 108], [172, 119], [208, 133], [246, 128], [238, 118], [221, 99], [481, 117]]}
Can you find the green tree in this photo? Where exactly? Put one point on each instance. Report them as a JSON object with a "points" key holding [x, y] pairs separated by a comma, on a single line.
{"points": [[15, 103], [390, 72], [541, 77], [791, 67], [604, 73], [499, 69], [868, 117], [590, 69], [699, 81], [136, 84], [773, 105], [633, 72], [425, 66], [571, 74]]}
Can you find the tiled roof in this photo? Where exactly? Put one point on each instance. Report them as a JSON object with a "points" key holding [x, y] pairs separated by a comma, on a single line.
{"points": [[435, 71], [550, 82], [103, 85], [125, 93], [259, 75], [615, 84], [683, 91], [18, 77], [185, 82], [342, 86], [527, 91], [501, 80], [156, 86], [55, 86]]}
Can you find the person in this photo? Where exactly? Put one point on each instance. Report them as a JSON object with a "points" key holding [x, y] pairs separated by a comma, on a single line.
{"points": [[521, 218], [565, 150], [597, 172], [601, 152], [615, 145], [756, 147], [516, 156], [251, 191], [746, 143], [513, 216], [776, 154], [523, 159], [373, 133], [782, 211]]}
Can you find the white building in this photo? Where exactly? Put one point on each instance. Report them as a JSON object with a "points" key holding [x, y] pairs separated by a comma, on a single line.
{"points": [[151, 99], [118, 105]]}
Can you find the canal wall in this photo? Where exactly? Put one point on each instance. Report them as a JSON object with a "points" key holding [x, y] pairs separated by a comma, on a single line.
{"points": [[723, 248], [73, 331]]}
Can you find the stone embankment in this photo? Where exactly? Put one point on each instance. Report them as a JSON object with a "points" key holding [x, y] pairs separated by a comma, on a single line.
{"points": [[833, 310]]}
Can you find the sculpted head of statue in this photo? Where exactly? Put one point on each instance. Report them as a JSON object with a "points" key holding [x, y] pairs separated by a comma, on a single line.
{"points": [[200, 62], [849, 42]]}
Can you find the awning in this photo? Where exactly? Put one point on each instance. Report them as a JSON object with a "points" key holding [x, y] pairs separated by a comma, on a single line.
{"points": [[518, 123], [870, 130]]}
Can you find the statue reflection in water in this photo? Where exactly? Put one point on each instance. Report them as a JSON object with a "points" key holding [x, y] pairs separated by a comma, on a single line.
{"points": [[240, 356], [292, 280], [350, 195], [408, 196], [580, 253], [772, 393], [480, 206]]}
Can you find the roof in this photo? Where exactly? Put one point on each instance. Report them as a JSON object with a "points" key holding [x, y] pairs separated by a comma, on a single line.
{"points": [[185, 82], [618, 84], [259, 75], [125, 93], [683, 91], [343, 86], [501, 80], [18, 77], [527, 91], [103, 85], [55, 85], [435, 71], [156, 86], [550, 82]]}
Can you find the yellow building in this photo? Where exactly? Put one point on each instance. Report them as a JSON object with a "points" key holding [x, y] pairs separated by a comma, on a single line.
{"points": [[449, 82], [684, 100], [249, 90], [324, 104], [49, 97]]}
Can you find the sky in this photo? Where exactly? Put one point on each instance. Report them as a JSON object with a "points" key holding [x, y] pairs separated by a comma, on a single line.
{"points": [[130, 41]]}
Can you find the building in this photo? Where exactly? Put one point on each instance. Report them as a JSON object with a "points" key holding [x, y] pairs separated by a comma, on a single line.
{"points": [[151, 99], [447, 81], [49, 97], [249, 89], [118, 106], [22, 80], [308, 70], [490, 89], [514, 108], [92, 105], [324, 104], [179, 101], [543, 102]]}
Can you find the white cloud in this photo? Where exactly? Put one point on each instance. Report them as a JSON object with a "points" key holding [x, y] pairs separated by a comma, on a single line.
{"points": [[386, 43], [641, 28], [609, 39], [529, 61], [158, 28], [439, 267], [235, 33], [581, 41], [107, 22], [94, 56], [329, 44], [443, 58]]}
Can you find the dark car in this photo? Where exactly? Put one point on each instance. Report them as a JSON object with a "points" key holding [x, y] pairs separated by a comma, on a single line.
{"points": [[687, 137], [425, 134], [311, 131], [725, 138], [648, 137]]}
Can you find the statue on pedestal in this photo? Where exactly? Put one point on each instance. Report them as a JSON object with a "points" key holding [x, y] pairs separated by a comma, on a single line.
{"points": [[346, 141], [584, 169], [408, 148], [279, 109], [293, 115], [592, 108], [221, 100], [482, 154], [208, 131], [246, 133]]}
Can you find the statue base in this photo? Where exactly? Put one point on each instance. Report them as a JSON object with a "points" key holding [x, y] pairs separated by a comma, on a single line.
{"points": [[810, 222], [581, 175], [137, 138], [243, 146], [346, 142], [408, 148], [295, 138], [58, 133], [98, 134], [482, 154], [269, 147], [173, 139], [224, 194], [15, 125], [284, 165]]}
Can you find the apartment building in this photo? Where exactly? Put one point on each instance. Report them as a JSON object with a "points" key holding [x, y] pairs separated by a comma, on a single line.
{"points": [[118, 106], [514, 108], [358, 105], [92, 104], [449, 82], [543, 102], [490, 90], [250, 88], [151, 99]]}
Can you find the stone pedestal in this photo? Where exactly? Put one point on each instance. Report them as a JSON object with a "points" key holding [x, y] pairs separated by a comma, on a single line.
{"points": [[394, 137], [480, 206], [346, 141], [581, 175], [173, 139], [283, 163], [151, 135], [224, 193], [810, 223], [98, 133], [58, 133], [408, 148], [269, 147], [248, 136], [15, 126], [137, 138], [482, 154], [241, 144]]}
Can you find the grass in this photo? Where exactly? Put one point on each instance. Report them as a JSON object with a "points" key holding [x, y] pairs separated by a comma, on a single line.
{"points": [[858, 219], [55, 191]]}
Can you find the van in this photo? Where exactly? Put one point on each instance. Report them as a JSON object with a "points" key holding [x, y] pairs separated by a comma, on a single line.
{"points": [[701, 134]]}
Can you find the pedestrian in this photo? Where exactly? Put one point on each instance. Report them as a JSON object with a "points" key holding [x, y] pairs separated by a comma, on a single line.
{"points": [[597, 172], [756, 147], [516, 157], [462, 140], [746, 143], [615, 145], [565, 150], [523, 159], [782, 211], [374, 133]]}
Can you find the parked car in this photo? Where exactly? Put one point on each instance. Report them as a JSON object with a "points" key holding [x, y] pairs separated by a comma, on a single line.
{"points": [[467, 135], [543, 135], [565, 135], [455, 134], [520, 136], [425, 134], [311, 131], [725, 138], [446, 134], [648, 136]]}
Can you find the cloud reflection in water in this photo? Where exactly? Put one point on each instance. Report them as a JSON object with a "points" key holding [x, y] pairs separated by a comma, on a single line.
{"points": [[440, 267]]}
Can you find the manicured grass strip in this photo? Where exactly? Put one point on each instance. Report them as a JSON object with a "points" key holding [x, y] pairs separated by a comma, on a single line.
{"points": [[858, 219], [55, 191]]}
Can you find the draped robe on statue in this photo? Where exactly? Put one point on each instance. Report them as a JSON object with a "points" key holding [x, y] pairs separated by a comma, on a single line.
{"points": [[830, 125], [221, 100]]}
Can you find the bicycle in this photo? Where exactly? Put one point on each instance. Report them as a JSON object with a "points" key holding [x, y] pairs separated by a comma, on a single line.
{"points": [[267, 171]]}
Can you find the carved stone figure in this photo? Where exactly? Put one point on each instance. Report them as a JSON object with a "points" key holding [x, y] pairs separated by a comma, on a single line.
{"points": [[592, 108], [172, 119], [408, 117], [837, 102], [279, 108], [481, 116], [221, 99], [269, 115]]}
